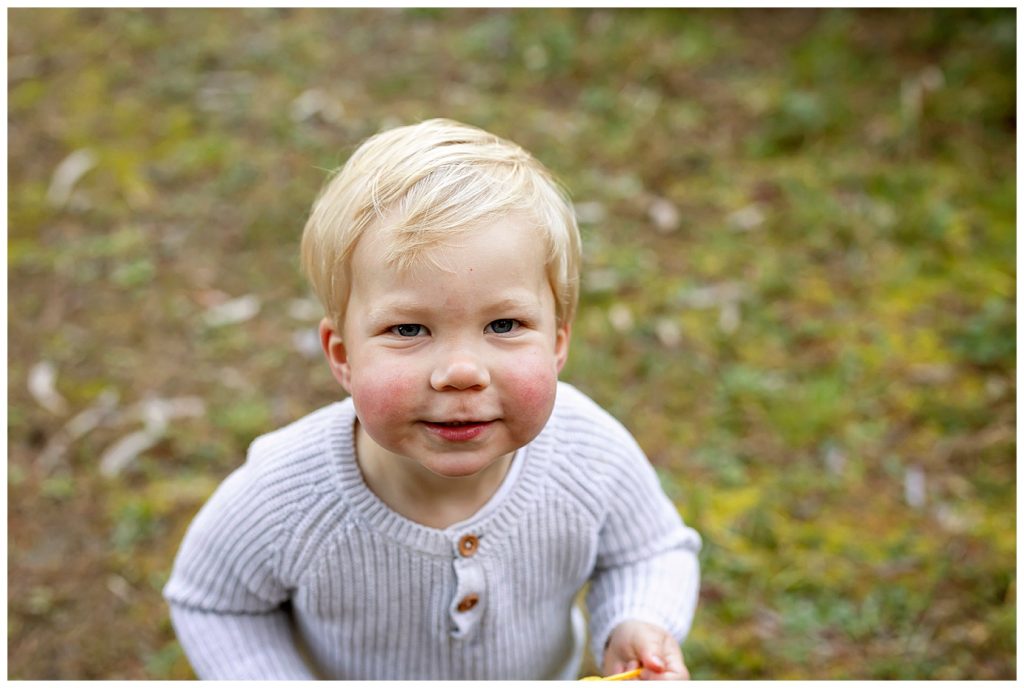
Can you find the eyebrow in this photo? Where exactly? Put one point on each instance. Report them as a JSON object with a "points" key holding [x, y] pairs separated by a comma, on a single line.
{"points": [[514, 304], [395, 308]]}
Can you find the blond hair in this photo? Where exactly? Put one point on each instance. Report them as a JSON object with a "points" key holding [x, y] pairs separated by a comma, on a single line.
{"points": [[433, 180]]}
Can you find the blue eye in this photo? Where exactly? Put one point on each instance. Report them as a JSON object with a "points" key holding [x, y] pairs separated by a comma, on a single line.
{"points": [[503, 326], [408, 330]]}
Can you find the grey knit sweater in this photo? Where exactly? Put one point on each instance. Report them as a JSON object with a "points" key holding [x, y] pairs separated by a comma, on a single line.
{"points": [[295, 569]]}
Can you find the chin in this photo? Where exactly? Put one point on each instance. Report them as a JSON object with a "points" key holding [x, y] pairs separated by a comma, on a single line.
{"points": [[458, 466]]}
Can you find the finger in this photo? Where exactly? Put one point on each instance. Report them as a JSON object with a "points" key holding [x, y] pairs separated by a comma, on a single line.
{"points": [[653, 661], [653, 656], [612, 667], [621, 668], [617, 665], [664, 676], [653, 664], [664, 661], [673, 655], [654, 668], [667, 675]]}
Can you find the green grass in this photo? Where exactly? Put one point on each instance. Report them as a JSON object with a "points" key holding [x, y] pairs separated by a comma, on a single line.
{"points": [[834, 310]]}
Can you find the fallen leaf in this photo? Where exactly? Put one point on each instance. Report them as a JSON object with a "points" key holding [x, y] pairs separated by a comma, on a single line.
{"points": [[729, 317], [42, 379], [590, 212], [664, 214], [82, 423], [66, 175], [307, 342], [668, 333], [233, 312], [621, 317], [315, 102], [914, 487], [746, 219], [156, 414], [305, 309], [125, 450]]}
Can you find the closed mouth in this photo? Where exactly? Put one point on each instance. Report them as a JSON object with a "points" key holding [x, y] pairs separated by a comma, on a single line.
{"points": [[457, 423], [459, 430]]}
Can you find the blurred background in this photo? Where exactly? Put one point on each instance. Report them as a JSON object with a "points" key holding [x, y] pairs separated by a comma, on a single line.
{"points": [[798, 292]]}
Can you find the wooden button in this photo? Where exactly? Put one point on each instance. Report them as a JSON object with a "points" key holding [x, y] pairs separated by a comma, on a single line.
{"points": [[468, 545], [468, 602]]}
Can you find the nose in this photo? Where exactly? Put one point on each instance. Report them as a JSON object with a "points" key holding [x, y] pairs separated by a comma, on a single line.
{"points": [[459, 370]]}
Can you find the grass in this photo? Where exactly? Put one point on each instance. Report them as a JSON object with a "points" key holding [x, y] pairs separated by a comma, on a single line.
{"points": [[829, 313]]}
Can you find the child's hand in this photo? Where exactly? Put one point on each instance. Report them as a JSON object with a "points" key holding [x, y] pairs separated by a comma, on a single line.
{"points": [[639, 644]]}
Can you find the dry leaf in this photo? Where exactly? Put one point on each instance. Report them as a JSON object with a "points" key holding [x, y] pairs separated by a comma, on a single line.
{"points": [[67, 174], [621, 317], [232, 312], [42, 379], [664, 214], [84, 422]]}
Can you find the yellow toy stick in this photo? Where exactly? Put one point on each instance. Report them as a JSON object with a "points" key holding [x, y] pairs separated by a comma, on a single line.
{"points": [[624, 676]]}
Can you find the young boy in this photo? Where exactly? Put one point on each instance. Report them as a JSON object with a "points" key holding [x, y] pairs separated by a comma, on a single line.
{"points": [[440, 521]]}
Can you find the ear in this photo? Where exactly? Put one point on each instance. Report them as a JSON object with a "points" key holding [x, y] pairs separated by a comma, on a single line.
{"points": [[562, 335], [337, 356]]}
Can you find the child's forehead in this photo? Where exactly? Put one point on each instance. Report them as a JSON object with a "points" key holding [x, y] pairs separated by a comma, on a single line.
{"points": [[393, 241], [497, 261]]}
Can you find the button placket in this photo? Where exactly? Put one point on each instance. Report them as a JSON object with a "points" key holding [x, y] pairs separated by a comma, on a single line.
{"points": [[469, 600]]}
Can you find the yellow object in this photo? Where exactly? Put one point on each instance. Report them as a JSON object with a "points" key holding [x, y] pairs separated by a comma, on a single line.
{"points": [[624, 676]]}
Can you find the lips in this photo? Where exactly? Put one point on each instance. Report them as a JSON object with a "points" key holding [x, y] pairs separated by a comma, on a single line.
{"points": [[459, 430]]}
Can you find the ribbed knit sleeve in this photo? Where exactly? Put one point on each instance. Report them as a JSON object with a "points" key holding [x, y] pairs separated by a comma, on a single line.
{"points": [[239, 646], [227, 586], [646, 567], [661, 590]]}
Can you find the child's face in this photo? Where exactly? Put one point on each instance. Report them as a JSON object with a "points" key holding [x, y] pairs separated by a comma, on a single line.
{"points": [[453, 362]]}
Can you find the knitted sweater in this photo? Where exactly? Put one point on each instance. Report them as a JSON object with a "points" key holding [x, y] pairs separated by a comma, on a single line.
{"points": [[295, 569]]}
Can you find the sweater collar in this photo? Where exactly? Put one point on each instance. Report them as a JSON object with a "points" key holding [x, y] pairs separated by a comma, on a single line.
{"points": [[498, 517]]}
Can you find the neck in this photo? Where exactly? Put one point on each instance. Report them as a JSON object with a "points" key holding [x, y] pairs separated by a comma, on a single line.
{"points": [[423, 496]]}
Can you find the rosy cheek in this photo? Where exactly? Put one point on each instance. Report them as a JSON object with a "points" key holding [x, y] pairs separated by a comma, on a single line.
{"points": [[380, 398], [532, 385]]}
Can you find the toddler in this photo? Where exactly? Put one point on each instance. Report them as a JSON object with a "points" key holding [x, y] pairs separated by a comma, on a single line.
{"points": [[440, 522]]}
